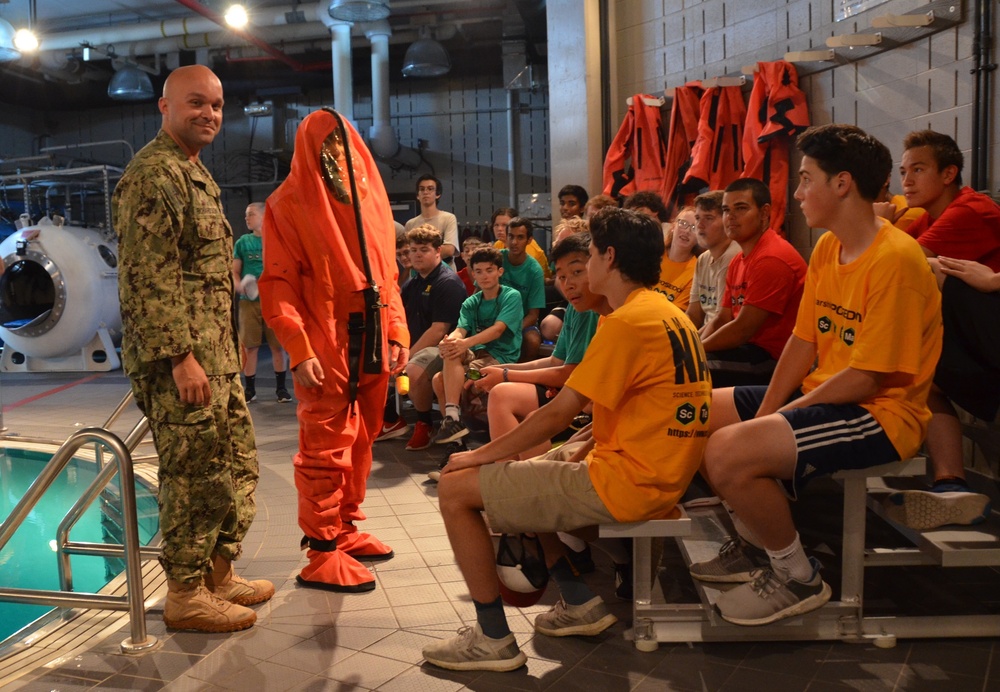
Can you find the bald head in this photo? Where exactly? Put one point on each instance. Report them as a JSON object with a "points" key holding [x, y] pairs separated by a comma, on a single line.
{"points": [[182, 77], [192, 107]]}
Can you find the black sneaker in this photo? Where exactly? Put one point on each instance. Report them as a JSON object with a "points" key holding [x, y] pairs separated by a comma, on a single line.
{"points": [[450, 431], [251, 394], [283, 396]]}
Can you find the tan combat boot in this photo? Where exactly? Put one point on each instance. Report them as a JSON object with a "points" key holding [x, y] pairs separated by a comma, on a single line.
{"points": [[190, 606], [229, 586]]}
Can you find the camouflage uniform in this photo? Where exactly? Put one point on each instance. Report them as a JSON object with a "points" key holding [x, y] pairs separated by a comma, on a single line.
{"points": [[176, 291]]}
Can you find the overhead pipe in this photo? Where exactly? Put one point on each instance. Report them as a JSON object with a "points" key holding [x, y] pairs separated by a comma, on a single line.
{"points": [[343, 79], [217, 18], [382, 136], [147, 31]]}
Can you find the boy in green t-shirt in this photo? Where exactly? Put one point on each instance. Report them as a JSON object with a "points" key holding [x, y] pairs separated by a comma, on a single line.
{"points": [[488, 333]]}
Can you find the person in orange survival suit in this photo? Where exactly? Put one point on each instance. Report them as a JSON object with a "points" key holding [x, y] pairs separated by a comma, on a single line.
{"points": [[316, 293]]}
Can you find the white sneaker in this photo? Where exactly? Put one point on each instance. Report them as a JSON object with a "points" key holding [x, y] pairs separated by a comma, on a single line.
{"points": [[473, 650]]}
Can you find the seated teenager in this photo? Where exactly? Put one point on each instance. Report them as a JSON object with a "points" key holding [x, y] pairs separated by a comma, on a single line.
{"points": [[850, 389], [964, 225], [432, 301], [645, 373], [469, 246], [523, 273], [488, 333], [679, 260], [895, 209], [651, 204], [763, 288], [501, 218], [520, 388], [572, 201], [709, 282]]}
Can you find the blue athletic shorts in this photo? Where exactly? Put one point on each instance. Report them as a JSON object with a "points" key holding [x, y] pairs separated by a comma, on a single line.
{"points": [[828, 437]]}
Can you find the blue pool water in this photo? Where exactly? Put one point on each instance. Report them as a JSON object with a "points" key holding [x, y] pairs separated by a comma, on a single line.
{"points": [[28, 560]]}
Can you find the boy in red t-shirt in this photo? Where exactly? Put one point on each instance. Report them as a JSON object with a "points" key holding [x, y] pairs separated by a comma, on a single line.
{"points": [[763, 288], [959, 224]]}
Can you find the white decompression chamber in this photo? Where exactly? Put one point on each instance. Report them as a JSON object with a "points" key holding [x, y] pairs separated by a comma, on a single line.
{"points": [[59, 299], [59, 306]]}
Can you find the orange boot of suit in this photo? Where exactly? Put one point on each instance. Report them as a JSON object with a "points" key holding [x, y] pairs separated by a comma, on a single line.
{"points": [[333, 570], [362, 546]]}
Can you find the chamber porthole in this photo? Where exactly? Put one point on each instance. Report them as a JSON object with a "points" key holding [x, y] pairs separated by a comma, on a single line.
{"points": [[27, 292]]}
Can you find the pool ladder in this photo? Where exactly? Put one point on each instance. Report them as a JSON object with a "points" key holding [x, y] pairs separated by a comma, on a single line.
{"points": [[132, 551]]}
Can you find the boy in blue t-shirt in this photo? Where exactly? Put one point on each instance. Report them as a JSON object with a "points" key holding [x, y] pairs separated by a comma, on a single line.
{"points": [[488, 333]]}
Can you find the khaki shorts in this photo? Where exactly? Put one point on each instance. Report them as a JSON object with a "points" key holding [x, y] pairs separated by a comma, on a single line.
{"points": [[253, 328], [540, 495], [477, 360], [429, 360]]}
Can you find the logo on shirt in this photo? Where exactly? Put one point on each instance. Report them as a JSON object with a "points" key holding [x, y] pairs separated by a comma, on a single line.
{"points": [[703, 414], [826, 324], [841, 311], [685, 413]]}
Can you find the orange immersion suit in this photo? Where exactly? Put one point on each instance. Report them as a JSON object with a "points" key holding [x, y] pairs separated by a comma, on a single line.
{"points": [[716, 159], [681, 136], [776, 113], [312, 290], [636, 157]]}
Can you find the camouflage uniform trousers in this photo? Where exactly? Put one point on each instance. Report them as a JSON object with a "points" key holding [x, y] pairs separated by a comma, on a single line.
{"points": [[207, 473]]}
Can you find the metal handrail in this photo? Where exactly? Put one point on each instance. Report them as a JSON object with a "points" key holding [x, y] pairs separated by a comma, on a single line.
{"points": [[66, 547], [115, 415], [133, 601]]}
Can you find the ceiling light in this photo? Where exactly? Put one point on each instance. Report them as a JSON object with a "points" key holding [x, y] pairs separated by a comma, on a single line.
{"points": [[358, 10], [26, 41], [236, 16], [130, 84], [426, 58], [7, 50]]}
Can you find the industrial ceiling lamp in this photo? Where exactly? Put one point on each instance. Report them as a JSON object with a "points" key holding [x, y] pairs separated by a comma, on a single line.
{"points": [[8, 51], [426, 58], [130, 84], [358, 10]]}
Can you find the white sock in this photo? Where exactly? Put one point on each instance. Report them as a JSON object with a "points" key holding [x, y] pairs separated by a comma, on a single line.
{"points": [[792, 561], [452, 411]]}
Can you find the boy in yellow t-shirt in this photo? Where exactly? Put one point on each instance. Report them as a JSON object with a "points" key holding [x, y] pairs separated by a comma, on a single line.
{"points": [[647, 377], [870, 319]]}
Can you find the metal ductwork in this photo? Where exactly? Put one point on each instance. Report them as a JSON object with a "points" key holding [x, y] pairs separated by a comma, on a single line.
{"points": [[382, 136]]}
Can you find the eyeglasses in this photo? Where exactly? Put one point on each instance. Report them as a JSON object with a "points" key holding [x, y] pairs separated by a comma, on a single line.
{"points": [[685, 225]]}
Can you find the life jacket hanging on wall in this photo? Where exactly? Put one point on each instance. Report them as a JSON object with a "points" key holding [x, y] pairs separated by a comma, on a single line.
{"points": [[637, 157], [777, 112]]}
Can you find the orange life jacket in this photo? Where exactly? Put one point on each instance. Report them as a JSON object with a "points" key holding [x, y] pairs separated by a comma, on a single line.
{"points": [[638, 154], [716, 159], [776, 113]]}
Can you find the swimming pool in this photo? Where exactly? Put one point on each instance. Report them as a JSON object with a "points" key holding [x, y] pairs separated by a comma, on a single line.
{"points": [[29, 559]]}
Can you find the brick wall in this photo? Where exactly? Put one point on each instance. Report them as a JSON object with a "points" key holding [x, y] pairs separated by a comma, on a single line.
{"points": [[664, 43]]}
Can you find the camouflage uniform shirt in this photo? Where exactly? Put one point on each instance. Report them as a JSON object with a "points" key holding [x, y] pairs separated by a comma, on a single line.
{"points": [[175, 256]]}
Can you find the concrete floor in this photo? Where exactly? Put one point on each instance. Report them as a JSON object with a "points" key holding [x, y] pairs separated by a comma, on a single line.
{"points": [[313, 640]]}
